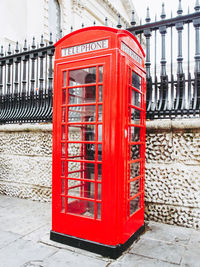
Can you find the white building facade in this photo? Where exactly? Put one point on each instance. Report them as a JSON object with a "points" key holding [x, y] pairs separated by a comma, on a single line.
{"points": [[24, 19]]}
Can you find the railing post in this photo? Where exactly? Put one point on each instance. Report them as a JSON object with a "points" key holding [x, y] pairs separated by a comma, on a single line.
{"points": [[163, 101], [24, 59], [196, 23], [16, 61], [180, 90], [147, 34]]}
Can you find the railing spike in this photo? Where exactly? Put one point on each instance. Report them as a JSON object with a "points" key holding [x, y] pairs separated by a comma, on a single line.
{"points": [[163, 15], [180, 10], [17, 47], [1, 53], [82, 25], [133, 22], [197, 6], [188, 10], [148, 19], [119, 22], [9, 49], [106, 21], [71, 28], [94, 23], [42, 41], [61, 33], [50, 38], [33, 43], [171, 14], [25, 45], [140, 21], [155, 17]]}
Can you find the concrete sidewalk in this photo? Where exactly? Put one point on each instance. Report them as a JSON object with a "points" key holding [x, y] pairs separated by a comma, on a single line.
{"points": [[24, 241]]}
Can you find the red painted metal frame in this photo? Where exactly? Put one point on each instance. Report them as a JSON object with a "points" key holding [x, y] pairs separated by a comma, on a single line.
{"points": [[116, 225]]}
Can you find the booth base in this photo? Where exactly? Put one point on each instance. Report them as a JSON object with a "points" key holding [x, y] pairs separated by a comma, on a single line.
{"points": [[112, 252]]}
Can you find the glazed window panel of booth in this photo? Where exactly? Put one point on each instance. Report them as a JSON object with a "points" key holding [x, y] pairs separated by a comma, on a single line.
{"points": [[135, 142], [81, 137]]}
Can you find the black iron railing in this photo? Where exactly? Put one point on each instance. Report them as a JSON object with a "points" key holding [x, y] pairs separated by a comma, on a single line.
{"points": [[172, 93], [26, 76], [26, 83]]}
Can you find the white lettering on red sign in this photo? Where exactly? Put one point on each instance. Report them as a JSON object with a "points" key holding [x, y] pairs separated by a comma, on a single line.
{"points": [[131, 53], [73, 50]]}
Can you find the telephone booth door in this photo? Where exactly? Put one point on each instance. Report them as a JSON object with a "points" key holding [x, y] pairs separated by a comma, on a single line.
{"points": [[80, 140]]}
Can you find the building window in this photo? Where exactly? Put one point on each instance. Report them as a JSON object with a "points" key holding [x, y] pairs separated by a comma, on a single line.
{"points": [[54, 18]]}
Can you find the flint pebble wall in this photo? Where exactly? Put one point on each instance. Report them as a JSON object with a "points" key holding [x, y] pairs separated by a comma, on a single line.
{"points": [[172, 192]]}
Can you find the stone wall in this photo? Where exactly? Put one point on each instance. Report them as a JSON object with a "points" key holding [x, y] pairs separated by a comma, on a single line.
{"points": [[172, 167], [25, 161], [173, 172]]}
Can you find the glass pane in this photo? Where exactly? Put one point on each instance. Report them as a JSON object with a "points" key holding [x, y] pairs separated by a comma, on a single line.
{"points": [[80, 207], [136, 80], [64, 96], [63, 132], [64, 78], [89, 171], [63, 114], [62, 168], [63, 150], [74, 150], [135, 152], [98, 210], [100, 93], [75, 169], [134, 169], [100, 152], [71, 183], [82, 95], [98, 191], [82, 113], [135, 98], [81, 133], [62, 186], [101, 74], [82, 76], [100, 113], [81, 151], [99, 171], [100, 132], [76, 190], [63, 204], [135, 134], [134, 205], [135, 116], [134, 187], [89, 151]]}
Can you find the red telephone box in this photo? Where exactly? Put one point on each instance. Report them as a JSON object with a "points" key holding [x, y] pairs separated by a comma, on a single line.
{"points": [[98, 140]]}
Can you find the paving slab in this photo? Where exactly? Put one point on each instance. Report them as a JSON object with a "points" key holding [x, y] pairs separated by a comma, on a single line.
{"points": [[22, 252], [168, 233], [39, 234], [159, 250], [24, 216], [191, 257], [7, 238], [70, 259], [195, 239], [131, 260]]}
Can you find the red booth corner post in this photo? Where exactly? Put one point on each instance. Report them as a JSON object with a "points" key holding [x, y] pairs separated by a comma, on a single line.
{"points": [[98, 140]]}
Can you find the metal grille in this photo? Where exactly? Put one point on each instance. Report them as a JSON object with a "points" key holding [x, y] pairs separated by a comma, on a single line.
{"points": [[26, 83], [176, 92]]}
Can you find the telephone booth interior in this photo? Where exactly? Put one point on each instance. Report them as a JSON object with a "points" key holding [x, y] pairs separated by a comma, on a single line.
{"points": [[98, 140]]}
